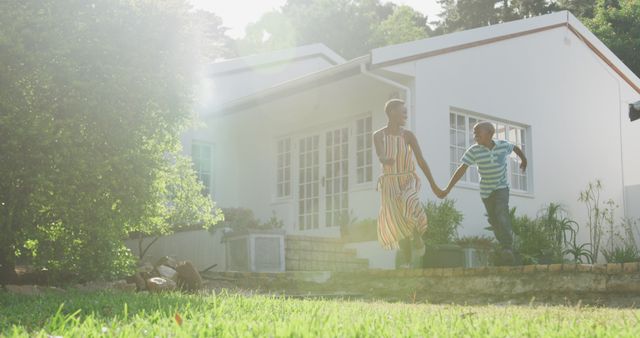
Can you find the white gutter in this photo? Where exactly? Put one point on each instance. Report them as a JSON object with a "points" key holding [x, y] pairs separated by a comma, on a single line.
{"points": [[408, 97]]}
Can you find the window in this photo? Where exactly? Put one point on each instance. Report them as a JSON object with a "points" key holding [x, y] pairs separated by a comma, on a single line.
{"points": [[309, 182], [337, 176], [202, 157], [461, 137], [363, 150], [283, 181]]}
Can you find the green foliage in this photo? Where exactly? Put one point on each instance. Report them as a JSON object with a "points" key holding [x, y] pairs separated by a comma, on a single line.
{"points": [[93, 97], [403, 25], [118, 314], [622, 246], [444, 220], [599, 214], [350, 27], [580, 8], [482, 242], [545, 239], [243, 218], [621, 254], [617, 24], [464, 15]]}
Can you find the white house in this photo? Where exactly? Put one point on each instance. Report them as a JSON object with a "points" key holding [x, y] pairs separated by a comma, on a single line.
{"points": [[289, 132]]}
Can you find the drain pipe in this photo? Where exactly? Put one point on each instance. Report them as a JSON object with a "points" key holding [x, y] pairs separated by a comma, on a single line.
{"points": [[408, 97]]}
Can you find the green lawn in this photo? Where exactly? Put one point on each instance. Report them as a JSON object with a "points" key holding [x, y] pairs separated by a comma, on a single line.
{"points": [[76, 314]]}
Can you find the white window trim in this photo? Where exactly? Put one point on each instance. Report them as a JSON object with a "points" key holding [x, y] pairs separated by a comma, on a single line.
{"points": [[212, 179], [529, 193], [286, 198], [367, 185]]}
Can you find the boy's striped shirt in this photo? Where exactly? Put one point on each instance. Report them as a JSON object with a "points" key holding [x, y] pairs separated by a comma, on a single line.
{"points": [[492, 165]]}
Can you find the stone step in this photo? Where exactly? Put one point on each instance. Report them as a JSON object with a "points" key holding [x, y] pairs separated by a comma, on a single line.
{"points": [[308, 253]]}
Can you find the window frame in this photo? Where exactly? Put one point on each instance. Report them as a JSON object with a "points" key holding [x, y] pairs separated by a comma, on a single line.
{"points": [[524, 144], [210, 188], [278, 168], [367, 138]]}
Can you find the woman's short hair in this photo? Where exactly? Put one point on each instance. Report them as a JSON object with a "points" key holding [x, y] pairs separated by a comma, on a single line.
{"points": [[392, 104]]}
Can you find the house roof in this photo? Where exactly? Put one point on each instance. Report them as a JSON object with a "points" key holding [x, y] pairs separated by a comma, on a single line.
{"points": [[380, 58], [421, 49], [247, 63], [328, 75]]}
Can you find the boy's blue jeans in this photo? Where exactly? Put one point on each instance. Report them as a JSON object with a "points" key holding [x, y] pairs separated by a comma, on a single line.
{"points": [[497, 206]]}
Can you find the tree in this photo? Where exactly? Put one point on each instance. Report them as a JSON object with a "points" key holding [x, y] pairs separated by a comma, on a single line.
{"points": [[617, 24], [212, 38], [580, 8], [350, 27], [93, 97], [404, 25], [460, 15]]}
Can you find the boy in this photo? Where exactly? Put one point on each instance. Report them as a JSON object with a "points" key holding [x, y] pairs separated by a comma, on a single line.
{"points": [[491, 158]]}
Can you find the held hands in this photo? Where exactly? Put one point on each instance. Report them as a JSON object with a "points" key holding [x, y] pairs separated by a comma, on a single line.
{"points": [[439, 192]]}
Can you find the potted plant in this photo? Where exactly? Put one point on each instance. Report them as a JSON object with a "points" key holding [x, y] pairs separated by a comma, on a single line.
{"points": [[476, 250], [440, 248]]}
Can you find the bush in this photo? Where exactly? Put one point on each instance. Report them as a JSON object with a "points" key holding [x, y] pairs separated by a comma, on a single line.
{"points": [[485, 243], [547, 238], [444, 220], [243, 218]]}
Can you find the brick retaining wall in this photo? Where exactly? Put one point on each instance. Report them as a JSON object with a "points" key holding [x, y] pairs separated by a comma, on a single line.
{"points": [[608, 284]]}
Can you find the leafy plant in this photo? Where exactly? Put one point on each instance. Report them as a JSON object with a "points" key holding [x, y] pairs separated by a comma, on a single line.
{"points": [[477, 242], [243, 218], [599, 213], [578, 252], [621, 254], [546, 238], [444, 220], [622, 246]]}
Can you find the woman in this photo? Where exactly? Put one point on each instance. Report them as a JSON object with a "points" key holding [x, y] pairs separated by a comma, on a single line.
{"points": [[402, 220]]}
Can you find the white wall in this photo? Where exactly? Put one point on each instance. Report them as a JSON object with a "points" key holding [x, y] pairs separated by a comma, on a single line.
{"points": [[200, 247], [550, 81], [631, 151], [314, 111]]}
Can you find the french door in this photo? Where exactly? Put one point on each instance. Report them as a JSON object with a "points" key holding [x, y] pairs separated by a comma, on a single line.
{"points": [[323, 179]]}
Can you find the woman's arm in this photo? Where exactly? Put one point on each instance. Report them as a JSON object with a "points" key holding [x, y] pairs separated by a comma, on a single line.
{"points": [[417, 152]]}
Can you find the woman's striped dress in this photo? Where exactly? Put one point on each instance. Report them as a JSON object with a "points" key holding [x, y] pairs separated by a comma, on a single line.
{"points": [[401, 213]]}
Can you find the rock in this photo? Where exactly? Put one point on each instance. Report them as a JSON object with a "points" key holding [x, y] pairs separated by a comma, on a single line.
{"points": [[159, 284], [167, 272], [168, 261], [145, 269], [139, 281], [188, 277]]}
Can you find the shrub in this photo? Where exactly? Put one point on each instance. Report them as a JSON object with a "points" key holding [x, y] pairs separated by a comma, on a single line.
{"points": [[547, 238], [444, 220], [243, 218]]}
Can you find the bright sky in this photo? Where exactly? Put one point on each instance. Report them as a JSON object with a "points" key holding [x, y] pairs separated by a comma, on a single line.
{"points": [[236, 14]]}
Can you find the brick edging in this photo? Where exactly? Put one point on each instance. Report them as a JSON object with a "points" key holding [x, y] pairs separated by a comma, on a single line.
{"points": [[608, 269]]}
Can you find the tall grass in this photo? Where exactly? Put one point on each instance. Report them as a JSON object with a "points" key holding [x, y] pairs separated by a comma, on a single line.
{"points": [[75, 314]]}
